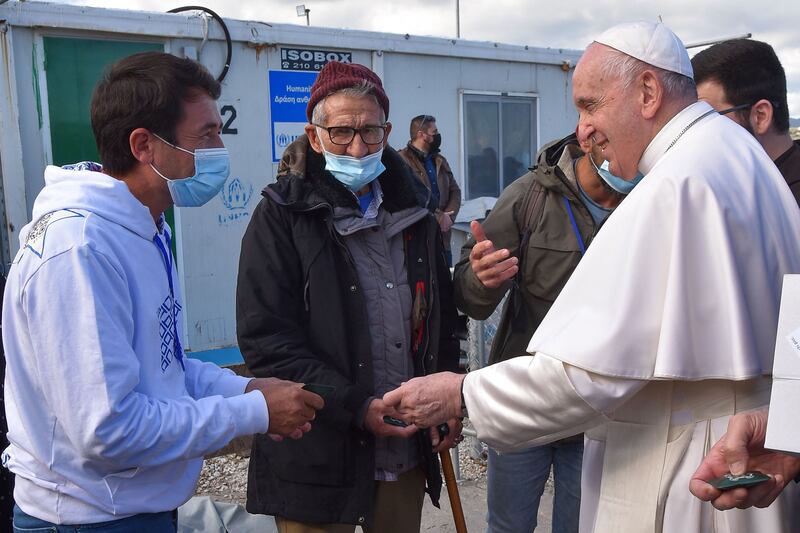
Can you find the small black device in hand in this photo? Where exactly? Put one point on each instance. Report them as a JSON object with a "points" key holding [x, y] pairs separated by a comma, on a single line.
{"points": [[392, 421], [320, 389]]}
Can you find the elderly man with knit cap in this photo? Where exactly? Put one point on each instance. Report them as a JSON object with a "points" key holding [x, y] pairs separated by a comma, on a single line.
{"points": [[343, 286], [667, 326]]}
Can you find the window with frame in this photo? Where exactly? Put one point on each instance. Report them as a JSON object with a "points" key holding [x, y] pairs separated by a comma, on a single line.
{"points": [[499, 141]]}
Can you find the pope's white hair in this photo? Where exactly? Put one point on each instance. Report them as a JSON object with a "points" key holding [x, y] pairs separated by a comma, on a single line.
{"points": [[627, 69]]}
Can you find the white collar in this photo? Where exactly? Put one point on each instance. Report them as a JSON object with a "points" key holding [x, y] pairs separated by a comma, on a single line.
{"points": [[668, 134]]}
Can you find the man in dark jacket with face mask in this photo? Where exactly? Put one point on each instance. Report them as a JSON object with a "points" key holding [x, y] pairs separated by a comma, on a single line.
{"points": [[343, 285], [423, 156]]}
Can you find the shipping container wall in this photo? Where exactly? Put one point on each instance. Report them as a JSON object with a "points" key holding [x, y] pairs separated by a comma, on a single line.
{"points": [[263, 109]]}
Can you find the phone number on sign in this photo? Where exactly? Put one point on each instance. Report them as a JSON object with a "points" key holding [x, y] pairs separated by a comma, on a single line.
{"points": [[298, 65]]}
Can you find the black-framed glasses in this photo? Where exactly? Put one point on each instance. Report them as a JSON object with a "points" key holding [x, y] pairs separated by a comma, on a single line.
{"points": [[344, 135], [740, 107]]}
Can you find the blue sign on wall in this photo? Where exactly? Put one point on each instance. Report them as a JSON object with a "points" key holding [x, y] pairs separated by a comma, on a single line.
{"points": [[289, 93]]}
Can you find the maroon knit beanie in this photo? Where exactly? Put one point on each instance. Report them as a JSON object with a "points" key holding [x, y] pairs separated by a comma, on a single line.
{"points": [[335, 76]]}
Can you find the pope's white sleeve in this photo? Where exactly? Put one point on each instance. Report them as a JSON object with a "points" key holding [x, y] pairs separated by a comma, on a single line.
{"points": [[528, 401]]}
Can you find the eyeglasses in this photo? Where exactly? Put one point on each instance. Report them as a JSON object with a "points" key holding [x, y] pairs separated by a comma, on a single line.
{"points": [[735, 108], [344, 135], [775, 105]]}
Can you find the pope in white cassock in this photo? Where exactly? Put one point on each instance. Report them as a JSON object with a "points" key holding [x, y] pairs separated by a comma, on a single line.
{"points": [[667, 327]]}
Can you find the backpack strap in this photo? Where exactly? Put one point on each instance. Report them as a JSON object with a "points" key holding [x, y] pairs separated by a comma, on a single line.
{"points": [[533, 208]]}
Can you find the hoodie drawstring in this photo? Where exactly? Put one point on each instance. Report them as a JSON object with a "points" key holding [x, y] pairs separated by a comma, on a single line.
{"points": [[166, 254]]}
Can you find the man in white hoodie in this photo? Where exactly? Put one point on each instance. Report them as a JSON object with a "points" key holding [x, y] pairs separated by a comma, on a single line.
{"points": [[108, 419]]}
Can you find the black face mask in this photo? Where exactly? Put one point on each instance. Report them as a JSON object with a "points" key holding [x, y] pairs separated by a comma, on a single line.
{"points": [[436, 142]]}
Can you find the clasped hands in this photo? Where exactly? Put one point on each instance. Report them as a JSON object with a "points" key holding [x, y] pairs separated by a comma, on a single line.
{"points": [[291, 410]]}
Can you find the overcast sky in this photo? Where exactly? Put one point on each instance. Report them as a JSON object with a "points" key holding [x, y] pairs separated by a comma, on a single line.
{"points": [[548, 24]]}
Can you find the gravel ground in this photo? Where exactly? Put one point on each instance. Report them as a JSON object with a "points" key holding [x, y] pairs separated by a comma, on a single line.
{"points": [[224, 478]]}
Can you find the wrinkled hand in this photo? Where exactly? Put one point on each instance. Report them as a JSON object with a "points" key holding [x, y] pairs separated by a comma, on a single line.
{"points": [[374, 423], [428, 401], [739, 450], [492, 267], [450, 440], [291, 409], [445, 220]]}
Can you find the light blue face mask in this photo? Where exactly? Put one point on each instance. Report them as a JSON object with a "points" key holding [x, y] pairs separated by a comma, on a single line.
{"points": [[353, 172], [620, 185], [211, 169]]}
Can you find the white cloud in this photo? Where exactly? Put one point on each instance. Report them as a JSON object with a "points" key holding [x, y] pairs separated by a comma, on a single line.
{"points": [[547, 24]]}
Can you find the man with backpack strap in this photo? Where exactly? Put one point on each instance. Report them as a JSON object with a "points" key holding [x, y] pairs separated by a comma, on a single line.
{"points": [[529, 245]]}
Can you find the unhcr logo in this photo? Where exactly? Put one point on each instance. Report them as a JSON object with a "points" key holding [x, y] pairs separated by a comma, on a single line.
{"points": [[236, 195], [284, 140]]}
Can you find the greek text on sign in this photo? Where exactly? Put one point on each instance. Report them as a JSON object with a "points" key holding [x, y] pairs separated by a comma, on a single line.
{"points": [[304, 59], [289, 95]]}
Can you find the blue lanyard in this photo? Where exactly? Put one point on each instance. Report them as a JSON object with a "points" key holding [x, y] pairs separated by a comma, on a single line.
{"points": [[574, 226], [167, 256]]}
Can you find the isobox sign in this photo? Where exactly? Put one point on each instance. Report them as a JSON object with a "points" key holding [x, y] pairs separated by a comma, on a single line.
{"points": [[304, 59]]}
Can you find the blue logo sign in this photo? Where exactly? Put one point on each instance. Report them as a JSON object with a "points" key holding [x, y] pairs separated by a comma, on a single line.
{"points": [[235, 196], [289, 93]]}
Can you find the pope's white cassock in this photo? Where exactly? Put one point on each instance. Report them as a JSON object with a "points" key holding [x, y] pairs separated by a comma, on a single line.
{"points": [[666, 328]]}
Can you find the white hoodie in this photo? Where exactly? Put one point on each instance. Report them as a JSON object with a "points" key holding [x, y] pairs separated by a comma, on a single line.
{"points": [[103, 420]]}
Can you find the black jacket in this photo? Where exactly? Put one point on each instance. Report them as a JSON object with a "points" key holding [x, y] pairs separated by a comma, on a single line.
{"points": [[301, 316]]}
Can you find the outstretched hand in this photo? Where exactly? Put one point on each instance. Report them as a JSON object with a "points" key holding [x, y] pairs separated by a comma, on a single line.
{"points": [[742, 449], [291, 409], [427, 401], [492, 267]]}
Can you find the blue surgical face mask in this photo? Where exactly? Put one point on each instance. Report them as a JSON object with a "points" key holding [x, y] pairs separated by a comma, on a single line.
{"points": [[211, 169], [620, 185], [354, 172]]}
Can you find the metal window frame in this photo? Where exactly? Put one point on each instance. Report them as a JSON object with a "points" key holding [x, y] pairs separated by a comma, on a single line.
{"points": [[464, 96]]}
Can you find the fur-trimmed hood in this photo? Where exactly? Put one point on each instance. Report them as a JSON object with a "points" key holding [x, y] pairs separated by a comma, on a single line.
{"points": [[303, 182]]}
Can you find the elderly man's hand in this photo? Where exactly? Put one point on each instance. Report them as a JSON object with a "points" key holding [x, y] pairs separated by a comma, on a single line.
{"points": [[450, 440], [739, 450], [428, 401], [374, 423], [291, 409], [492, 267]]}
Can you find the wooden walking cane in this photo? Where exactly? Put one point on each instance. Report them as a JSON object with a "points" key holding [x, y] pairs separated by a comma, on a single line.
{"points": [[452, 487]]}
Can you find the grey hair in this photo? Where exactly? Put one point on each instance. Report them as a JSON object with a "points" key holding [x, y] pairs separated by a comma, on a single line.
{"points": [[628, 68], [363, 89]]}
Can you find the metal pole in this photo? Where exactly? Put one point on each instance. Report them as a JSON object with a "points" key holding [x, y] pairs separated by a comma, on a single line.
{"points": [[458, 20], [456, 461], [720, 40], [480, 330], [308, 22]]}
